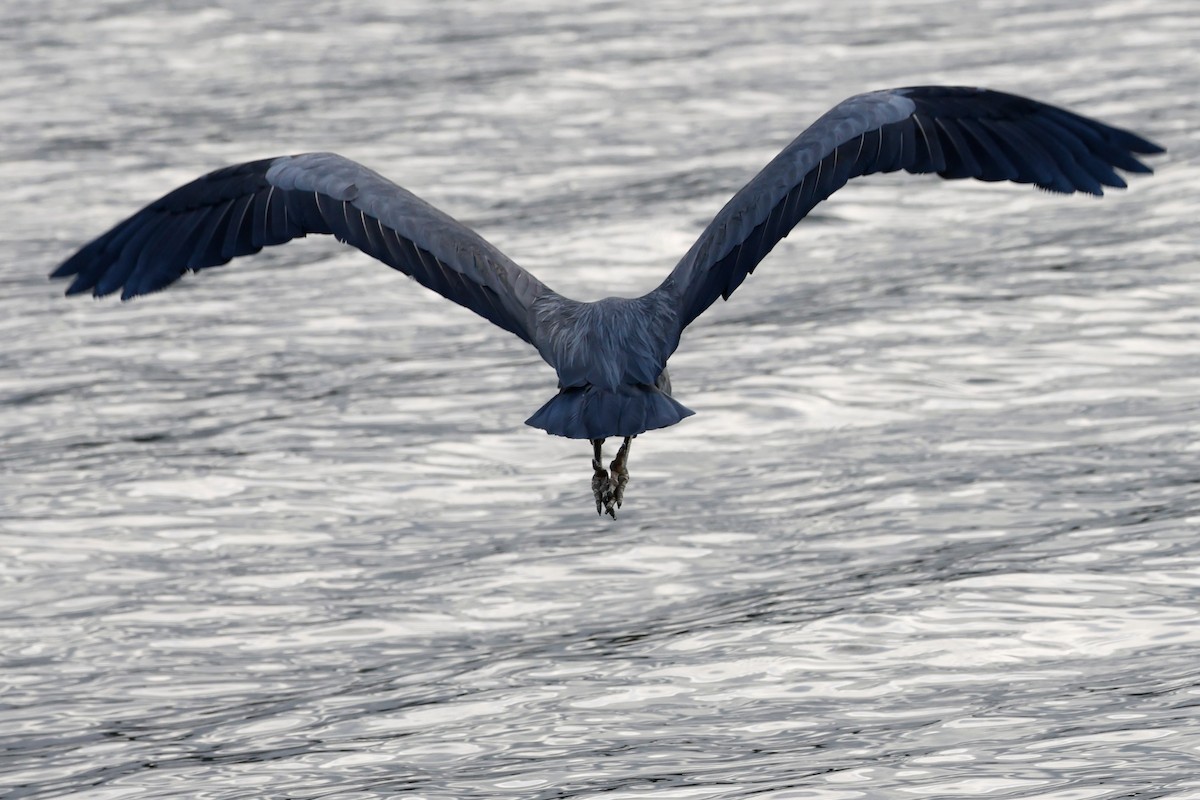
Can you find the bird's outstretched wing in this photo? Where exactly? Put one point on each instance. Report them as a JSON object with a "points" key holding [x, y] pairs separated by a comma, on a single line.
{"points": [[240, 209], [957, 132]]}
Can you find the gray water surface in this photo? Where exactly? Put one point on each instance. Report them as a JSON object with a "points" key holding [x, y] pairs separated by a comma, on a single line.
{"points": [[279, 532]]}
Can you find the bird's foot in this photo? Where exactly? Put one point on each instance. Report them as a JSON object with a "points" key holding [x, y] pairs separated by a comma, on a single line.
{"points": [[608, 486], [620, 474], [609, 489], [602, 489]]}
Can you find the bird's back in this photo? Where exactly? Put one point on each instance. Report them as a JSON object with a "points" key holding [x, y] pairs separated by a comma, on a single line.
{"points": [[610, 356], [605, 343]]}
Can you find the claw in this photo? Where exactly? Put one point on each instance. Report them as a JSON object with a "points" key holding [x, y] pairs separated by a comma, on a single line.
{"points": [[609, 489], [620, 473], [599, 485], [599, 477], [619, 490], [602, 490]]}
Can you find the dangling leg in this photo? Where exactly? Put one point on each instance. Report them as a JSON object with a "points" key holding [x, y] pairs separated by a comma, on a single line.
{"points": [[620, 474], [599, 477], [609, 490]]}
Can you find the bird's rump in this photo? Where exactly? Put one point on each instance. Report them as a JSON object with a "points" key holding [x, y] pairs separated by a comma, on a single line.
{"points": [[610, 356]]}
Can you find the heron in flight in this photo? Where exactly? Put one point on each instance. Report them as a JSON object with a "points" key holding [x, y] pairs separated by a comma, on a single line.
{"points": [[610, 355]]}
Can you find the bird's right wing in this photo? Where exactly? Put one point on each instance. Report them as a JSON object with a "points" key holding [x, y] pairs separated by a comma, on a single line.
{"points": [[957, 132], [240, 209]]}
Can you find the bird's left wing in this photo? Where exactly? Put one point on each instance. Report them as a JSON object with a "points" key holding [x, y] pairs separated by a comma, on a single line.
{"points": [[240, 209], [957, 132]]}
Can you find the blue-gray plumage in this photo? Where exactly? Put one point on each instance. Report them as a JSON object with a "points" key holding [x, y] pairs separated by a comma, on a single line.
{"points": [[610, 355]]}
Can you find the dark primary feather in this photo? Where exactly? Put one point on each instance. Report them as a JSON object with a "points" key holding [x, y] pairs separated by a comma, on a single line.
{"points": [[610, 355], [240, 209], [956, 132]]}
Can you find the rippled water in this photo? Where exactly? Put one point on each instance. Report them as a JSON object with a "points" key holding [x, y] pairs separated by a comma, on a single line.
{"points": [[279, 532]]}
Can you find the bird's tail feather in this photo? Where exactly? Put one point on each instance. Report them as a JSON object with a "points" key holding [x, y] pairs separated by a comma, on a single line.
{"points": [[589, 412]]}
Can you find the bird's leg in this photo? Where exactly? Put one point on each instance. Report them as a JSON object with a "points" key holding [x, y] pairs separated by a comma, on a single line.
{"points": [[609, 490], [620, 474], [600, 483]]}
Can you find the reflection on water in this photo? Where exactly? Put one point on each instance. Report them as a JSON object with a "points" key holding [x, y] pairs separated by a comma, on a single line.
{"points": [[279, 532]]}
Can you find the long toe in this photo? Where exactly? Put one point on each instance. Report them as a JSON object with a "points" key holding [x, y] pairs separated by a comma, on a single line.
{"points": [[610, 498], [618, 482], [604, 488], [600, 486], [620, 472]]}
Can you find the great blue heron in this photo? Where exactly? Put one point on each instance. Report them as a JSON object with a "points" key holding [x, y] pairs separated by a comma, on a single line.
{"points": [[610, 355]]}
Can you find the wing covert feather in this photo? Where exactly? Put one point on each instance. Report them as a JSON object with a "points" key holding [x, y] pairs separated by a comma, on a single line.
{"points": [[956, 132], [238, 210]]}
